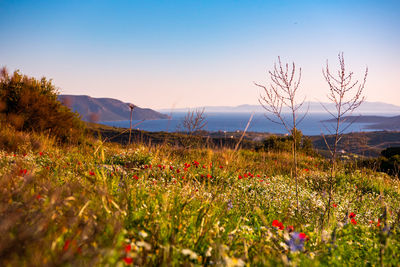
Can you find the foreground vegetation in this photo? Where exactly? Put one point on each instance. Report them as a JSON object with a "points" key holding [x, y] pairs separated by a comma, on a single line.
{"points": [[104, 204], [68, 199]]}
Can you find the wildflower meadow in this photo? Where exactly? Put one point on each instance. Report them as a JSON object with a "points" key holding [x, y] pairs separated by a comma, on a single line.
{"points": [[103, 204]]}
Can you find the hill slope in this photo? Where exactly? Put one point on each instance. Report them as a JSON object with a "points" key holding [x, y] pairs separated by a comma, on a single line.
{"points": [[377, 122], [106, 109], [392, 123]]}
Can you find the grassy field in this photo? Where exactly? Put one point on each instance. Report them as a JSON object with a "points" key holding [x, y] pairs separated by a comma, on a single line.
{"points": [[106, 205], [364, 144]]}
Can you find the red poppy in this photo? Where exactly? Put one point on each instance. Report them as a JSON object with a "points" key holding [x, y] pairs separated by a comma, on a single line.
{"points": [[303, 236], [334, 205], [41, 153], [278, 224], [91, 173], [209, 176], [38, 197], [352, 215], [240, 177], [258, 175], [66, 244], [128, 260], [23, 172], [128, 248], [290, 228], [178, 171], [353, 221], [135, 177], [221, 167]]}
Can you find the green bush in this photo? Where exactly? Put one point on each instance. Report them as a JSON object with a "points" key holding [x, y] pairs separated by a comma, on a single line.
{"points": [[390, 152], [29, 104], [389, 162], [284, 143]]}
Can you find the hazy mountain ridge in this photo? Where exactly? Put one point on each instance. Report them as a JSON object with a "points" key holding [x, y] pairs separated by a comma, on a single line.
{"points": [[106, 109], [312, 107]]}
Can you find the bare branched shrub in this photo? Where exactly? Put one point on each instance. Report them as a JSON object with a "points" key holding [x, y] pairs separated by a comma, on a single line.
{"points": [[346, 95], [195, 120], [282, 94]]}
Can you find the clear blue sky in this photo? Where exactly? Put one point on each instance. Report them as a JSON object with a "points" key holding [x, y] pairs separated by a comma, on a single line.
{"points": [[161, 54]]}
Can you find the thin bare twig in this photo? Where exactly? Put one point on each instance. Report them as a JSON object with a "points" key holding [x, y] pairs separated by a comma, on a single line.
{"points": [[282, 93], [244, 132], [340, 87]]}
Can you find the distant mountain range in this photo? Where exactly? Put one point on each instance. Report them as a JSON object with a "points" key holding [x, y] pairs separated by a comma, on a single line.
{"points": [[379, 115], [106, 109], [313, 107]]}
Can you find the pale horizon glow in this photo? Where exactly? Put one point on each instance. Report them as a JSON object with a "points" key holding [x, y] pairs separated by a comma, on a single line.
{"points": [[175, 54]]}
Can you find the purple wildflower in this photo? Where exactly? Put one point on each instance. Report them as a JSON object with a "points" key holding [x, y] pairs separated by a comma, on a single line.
{"points": [[296, 242]]}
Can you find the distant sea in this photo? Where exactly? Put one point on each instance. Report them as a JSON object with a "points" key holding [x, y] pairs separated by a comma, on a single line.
{"points": [[230, 122]]}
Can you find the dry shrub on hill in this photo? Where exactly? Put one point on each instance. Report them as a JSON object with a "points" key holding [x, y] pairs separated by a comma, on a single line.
{"points": [[28, 104]]}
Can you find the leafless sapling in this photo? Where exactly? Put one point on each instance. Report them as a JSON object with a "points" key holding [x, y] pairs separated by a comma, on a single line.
{"points": [[131, 106], [282, 93], [194, 120], [346, 95]]}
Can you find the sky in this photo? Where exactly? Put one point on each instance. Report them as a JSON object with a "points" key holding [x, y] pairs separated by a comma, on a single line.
{"points": [[167, 54]]}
